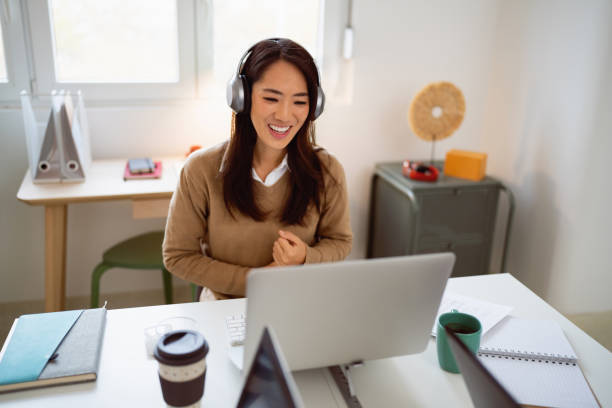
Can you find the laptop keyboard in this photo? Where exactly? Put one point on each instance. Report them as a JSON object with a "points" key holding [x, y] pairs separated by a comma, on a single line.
{"points": [[236, 329]]}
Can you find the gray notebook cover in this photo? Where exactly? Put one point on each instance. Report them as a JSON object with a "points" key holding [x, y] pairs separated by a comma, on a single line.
{"points": [[79, 352]]}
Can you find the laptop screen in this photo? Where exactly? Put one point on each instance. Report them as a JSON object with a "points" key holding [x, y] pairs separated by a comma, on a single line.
{"points": [[269, 383]]}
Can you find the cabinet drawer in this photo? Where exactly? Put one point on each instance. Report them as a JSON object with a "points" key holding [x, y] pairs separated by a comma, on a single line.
{"points": [[457, 214], [472, 257]]}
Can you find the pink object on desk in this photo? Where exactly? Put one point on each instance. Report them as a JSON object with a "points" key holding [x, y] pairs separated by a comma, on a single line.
{"points": [[127, 175]]}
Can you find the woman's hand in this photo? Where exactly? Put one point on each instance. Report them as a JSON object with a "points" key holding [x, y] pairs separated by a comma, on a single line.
{"points": [[289, 249]]}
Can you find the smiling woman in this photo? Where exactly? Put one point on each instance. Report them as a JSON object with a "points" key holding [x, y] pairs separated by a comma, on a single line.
{"points": [[268, 196]]}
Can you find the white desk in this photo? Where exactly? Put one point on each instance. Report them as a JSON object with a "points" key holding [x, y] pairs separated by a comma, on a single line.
{"points": [[128, 378], [104, 181]]}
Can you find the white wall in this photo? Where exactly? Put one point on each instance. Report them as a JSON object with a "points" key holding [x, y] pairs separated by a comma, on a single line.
{"points": [[547, 130], [533, 74], [399, 48]]}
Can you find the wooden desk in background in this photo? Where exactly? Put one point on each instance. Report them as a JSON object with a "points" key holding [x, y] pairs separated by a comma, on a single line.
{"points": [[104, 181]]}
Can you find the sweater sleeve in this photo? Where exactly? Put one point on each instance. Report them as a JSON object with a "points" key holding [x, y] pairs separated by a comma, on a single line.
{"points": [[334, 236], [186, 230]]}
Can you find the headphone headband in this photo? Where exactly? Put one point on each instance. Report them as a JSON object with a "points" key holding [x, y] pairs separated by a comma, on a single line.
{"points": [[242, 60]]}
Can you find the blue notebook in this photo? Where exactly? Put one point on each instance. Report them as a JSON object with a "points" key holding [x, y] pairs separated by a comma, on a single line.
{"points": [[52, 348]]}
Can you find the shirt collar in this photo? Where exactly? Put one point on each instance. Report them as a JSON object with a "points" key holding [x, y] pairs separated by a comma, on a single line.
{"points": [[278, 170], [274, 175]]}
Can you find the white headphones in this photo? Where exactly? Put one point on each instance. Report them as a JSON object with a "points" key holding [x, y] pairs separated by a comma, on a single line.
{"points": [[237, 87]]}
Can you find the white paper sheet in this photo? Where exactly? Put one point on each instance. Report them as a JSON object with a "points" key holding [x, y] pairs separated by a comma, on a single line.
{"points": [[488, 313]]}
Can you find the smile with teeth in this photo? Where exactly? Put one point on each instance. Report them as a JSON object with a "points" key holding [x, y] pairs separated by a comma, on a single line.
{"points": [[280, 130]]}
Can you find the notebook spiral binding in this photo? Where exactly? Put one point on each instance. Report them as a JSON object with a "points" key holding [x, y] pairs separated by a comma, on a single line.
{"points": [[519, 355]]}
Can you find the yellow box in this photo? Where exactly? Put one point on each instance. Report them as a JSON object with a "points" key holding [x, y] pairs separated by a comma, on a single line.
{"points": [[466, 165]]}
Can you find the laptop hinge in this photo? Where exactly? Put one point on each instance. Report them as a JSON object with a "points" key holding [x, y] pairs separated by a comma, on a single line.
{"points": [[342, 377]]}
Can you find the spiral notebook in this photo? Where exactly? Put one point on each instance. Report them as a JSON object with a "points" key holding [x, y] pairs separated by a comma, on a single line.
{"points": [[535, 362]]}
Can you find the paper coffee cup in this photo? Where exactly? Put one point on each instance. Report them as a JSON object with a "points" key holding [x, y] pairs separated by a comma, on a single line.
{"points": [[182, 367]]}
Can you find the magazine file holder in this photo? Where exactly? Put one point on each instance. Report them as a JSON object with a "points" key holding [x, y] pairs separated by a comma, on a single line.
{"points": [[58, 150]]}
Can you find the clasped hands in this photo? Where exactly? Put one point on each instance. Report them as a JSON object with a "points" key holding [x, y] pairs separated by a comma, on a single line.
{"points": [[288, 249]]}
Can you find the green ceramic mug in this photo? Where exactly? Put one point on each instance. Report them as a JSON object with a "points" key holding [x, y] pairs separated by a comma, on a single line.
{"points": [[466, 327]]}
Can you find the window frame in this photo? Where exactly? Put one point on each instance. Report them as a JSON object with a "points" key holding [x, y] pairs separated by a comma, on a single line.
{"points": [[38, 16], [15, 54]]}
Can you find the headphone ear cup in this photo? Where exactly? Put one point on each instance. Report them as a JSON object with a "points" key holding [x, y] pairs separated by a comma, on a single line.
{"points": [[320, 103], [235, 93], [246, 95]]}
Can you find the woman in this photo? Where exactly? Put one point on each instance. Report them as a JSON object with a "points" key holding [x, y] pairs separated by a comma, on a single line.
{"points": [[268, 196]]}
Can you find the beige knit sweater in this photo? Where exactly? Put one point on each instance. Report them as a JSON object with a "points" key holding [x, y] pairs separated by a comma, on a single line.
{"points": [[205, 245]]}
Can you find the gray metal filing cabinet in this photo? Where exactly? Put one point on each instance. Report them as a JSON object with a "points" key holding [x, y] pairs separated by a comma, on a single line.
{"points": [[451, 214]]}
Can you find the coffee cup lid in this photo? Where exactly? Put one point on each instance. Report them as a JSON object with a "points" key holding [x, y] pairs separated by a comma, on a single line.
{"points": [[181, 347]]}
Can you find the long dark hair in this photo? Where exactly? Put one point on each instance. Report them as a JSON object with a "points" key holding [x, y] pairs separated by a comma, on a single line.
{"points": [[306, 174]]}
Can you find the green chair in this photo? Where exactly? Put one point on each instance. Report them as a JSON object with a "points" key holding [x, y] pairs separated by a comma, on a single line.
{"points": [[140, 252]]}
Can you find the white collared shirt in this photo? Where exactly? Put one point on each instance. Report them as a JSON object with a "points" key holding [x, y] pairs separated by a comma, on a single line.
{"points": [[274, 175]]}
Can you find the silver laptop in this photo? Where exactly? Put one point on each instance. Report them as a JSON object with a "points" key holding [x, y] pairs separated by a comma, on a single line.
{"points": [[337, 313]]}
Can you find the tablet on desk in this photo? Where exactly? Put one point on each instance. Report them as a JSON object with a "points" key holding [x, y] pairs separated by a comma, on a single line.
{"points": [[484, 389], [269, 382]]}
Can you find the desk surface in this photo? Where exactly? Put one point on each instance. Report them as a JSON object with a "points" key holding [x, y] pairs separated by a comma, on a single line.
{"points": [[104, 181], [434, 387], [128, 378]]}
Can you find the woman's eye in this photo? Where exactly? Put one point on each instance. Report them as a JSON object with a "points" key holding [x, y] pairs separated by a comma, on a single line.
{"points": [[300, 103], [270, 99]]}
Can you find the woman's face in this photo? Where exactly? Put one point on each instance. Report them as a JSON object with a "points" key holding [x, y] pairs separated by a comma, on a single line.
{"points": [[279, 105]]}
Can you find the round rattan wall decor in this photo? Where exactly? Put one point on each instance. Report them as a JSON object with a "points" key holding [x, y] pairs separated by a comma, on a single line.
{"points": [[436, 111]]}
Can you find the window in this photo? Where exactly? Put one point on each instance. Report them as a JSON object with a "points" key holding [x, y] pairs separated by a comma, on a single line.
{"points": [[238, 24], [113, 49], [232, 26], [3, 74], [115, 41], [140, 49], [14, 71]]}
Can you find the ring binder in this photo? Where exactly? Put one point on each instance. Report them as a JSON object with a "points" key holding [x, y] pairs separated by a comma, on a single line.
{"points": [[59, 149], [532, 356]]}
